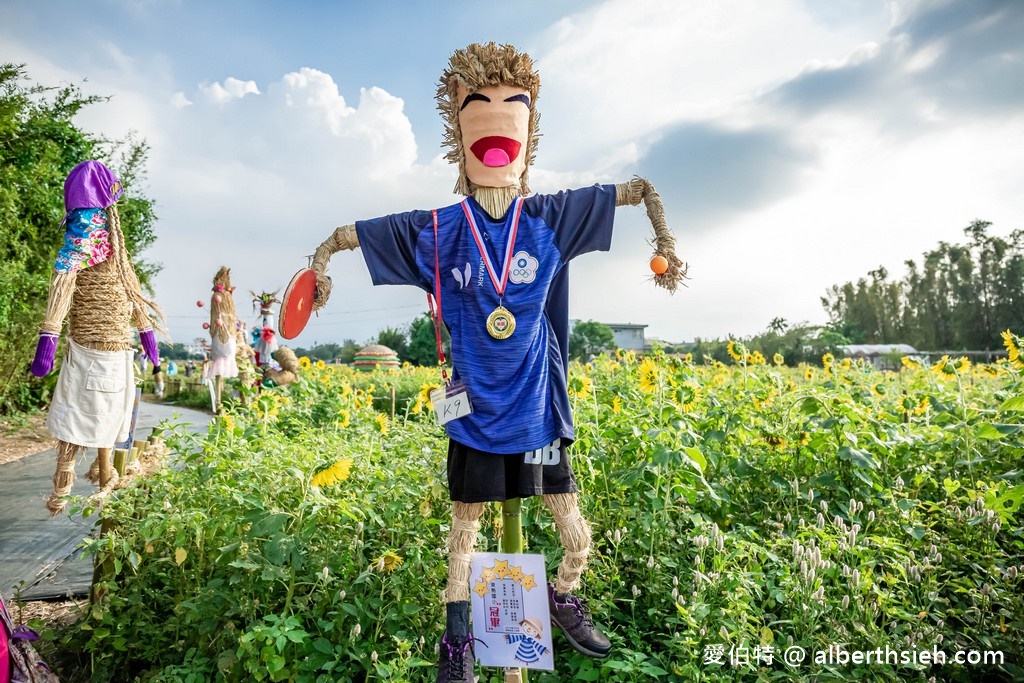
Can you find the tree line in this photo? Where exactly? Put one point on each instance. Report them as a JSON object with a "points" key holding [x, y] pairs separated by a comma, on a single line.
{"points": [[960, 296], [39, 145]]}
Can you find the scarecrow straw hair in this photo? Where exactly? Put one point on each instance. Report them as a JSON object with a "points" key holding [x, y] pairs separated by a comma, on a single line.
{"points": [[477, 66], [129, 277], [223, 310]]}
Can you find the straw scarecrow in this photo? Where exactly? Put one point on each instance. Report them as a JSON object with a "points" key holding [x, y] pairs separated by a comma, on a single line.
{"points": [[223, 333], [264, 337], [95, 284], [288, 373], [496, 264]]}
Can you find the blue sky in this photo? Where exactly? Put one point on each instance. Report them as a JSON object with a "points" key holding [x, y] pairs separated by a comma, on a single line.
{"points": [[796, 144]]}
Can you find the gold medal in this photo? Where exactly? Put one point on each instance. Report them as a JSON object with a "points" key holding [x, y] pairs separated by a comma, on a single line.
{"points": [[501, 323]]}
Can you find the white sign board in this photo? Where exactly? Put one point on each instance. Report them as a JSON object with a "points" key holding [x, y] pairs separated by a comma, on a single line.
{"points": [[509, 597]]}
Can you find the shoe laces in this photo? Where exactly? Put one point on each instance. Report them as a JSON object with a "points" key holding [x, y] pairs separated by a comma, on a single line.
{"points": [[457, 655], [579, 608]]}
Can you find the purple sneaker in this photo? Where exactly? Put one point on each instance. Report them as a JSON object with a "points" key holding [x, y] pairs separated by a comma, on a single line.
{"points": [[456, 660], [572, 616]]}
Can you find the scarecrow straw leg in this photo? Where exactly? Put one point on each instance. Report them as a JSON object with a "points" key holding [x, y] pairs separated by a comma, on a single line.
{"points": [[342, 238], [574, 532], [461, 541], [640, 190], [64, 477]]}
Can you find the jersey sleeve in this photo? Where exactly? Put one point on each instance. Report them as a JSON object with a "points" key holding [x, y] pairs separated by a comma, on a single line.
{"points": [[581, 219], [389, 246]]}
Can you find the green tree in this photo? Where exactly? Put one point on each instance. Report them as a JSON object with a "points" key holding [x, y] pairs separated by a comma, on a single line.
{"points": [[40, 145], [422, 349], [960, 297], [590, 338], [394, 339]]}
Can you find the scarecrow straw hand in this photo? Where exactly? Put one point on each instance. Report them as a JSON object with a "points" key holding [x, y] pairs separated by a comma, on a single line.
{"points": [[342, 238], [640, 190]]}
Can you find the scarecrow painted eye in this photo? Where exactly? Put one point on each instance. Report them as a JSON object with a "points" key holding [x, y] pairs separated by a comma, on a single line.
{"points": [[472, 97], [519, 98]]}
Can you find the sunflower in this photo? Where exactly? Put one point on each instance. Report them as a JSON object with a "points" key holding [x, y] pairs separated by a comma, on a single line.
{"points": [[388, 562], [580, 386], [803, 438], [827, 360], [735, 350], [648, 376], [304, 363], [756, 358], [382, 422], [808, 373], [332, 474], [616, 405], [909, 363], [320, 365], [343, 419], [944, 368], [775, 441], [423, 398], [1012, 344], [686, 396], [909, 406], [778, 359], [688, 359]]}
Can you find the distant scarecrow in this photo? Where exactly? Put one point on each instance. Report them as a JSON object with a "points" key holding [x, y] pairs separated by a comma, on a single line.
{"points": [[224, 327], [497, 265], [93, 281], [263, 335]]}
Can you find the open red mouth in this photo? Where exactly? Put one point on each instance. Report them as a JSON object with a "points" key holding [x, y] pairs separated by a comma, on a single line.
{"points": [[496, 150]]}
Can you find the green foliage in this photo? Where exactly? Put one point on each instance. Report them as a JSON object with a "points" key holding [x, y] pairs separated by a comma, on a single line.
{"points": [[41, 144], [422, 348], [590, 338], [733, 505], [960, 297], [394, 339]]}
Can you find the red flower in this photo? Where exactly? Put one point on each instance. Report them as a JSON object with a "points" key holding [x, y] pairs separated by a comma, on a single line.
{"points": [[268, 335]]}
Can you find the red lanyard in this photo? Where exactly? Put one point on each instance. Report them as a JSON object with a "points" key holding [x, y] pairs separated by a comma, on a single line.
{"points": [[435, 311]]}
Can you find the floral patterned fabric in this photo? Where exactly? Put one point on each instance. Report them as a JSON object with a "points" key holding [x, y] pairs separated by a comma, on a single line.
{"points": [[85, 240]]}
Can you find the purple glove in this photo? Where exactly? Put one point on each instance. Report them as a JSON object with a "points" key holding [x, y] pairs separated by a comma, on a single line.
{"points": [[148, 339], [46, 349]]}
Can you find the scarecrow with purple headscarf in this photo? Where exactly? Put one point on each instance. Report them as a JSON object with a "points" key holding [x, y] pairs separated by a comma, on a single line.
{"points": [[96, 288]]}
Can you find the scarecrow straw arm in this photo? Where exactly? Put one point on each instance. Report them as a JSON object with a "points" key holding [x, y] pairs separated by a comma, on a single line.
{"points": [[62, 292], [342, 238], [640, 190]]}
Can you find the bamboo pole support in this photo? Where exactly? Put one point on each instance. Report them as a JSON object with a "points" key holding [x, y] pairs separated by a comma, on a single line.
{"points": [[512, 542], [120, 461]]}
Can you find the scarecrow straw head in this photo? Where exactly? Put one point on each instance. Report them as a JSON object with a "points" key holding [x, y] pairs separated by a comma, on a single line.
{"points": [[488, 98]]}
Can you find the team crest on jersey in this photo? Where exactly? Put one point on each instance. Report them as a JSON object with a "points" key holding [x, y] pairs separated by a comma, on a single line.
{"points": [[524, 268]]}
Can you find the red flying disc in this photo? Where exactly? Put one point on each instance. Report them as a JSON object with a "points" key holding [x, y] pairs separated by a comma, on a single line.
{"points": [[297, 303]]}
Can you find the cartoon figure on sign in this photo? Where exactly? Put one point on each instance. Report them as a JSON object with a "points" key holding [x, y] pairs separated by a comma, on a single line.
{"points": [[509, 327], [94, 285], [530, 648]]}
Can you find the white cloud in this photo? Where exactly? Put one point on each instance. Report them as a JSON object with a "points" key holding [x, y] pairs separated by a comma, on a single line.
{"points": [[231, 89], [179, 101]]}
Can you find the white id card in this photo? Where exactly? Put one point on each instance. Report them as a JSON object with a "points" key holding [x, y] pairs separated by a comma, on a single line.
{"points": [[451, 402]]}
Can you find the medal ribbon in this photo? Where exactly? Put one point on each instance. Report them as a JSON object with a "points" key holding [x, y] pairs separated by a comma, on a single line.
{"points": [[502, 282], [435, 308]]}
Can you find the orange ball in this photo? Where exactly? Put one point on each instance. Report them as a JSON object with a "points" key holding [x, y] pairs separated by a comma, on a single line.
{"points": [[659, 264]]}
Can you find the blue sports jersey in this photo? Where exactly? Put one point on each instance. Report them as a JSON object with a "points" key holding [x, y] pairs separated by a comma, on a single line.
{"points": [[517, 385]]}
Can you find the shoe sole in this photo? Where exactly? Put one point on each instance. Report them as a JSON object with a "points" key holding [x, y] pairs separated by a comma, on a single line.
{"points": [[576, 646]]}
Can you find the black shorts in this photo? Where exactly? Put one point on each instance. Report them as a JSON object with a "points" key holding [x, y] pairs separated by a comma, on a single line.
{"points": [[479, 477]]}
